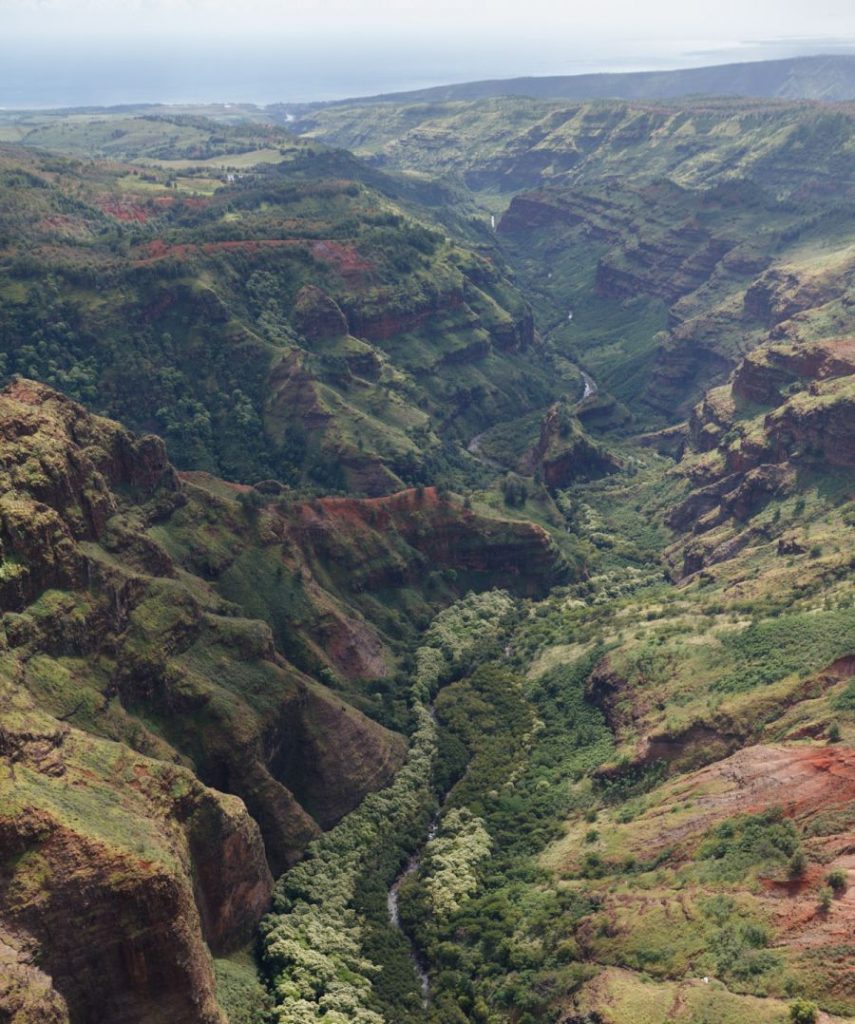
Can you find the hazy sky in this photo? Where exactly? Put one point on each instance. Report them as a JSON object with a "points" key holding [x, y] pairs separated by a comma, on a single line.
{"points": [[69, 52], [721, 20]]}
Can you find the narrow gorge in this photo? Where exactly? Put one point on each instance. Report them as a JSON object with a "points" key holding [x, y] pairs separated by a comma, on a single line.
{"points": [[426, 567]]}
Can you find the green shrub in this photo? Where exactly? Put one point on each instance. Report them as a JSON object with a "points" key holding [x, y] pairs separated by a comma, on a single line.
{"points": [[803, 1011], [797, 865], [514, 491], [837, 879], [740, 951], [770, 650], [845, 700], [736, 845]]}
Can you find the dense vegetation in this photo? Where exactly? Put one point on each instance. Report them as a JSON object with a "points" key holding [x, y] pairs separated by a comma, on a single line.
{"points": [[317, 940], [637, 230], [628, 801], [313, 290]]}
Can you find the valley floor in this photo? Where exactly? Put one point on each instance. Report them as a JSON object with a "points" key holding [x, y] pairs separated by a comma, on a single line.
{"points": [[646, 791]]}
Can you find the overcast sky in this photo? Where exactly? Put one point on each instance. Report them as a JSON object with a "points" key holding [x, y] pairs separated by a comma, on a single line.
{"points": [[714, 21], [76, 52]]}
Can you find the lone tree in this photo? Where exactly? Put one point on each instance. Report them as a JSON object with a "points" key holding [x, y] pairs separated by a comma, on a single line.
{"points": [[803, 1011]]}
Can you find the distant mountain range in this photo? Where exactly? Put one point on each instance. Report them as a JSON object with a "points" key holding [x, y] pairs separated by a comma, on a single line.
{"points": [[830, 77]]}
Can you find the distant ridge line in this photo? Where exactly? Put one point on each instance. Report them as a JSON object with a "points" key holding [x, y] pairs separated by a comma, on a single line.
{"points": [[829, 77]]}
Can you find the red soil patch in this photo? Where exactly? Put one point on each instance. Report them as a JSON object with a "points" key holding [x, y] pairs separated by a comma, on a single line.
{"points": [[406, 500], [801, 780], [344, 258], [125, 210], [378, 511], [158, 249], [844, 347], [815, 786], [839, 356], [61, 222]]}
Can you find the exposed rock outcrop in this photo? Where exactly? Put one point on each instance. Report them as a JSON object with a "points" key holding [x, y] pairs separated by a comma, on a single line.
{"points": [[432, 534], [787, 406], [564, 453], [766, 375], [317, 316], [115, 871], [27, 993], [816, 424], [162, 746]]}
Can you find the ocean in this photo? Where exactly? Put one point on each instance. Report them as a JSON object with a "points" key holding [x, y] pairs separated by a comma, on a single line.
{"points": [[198, 70]]}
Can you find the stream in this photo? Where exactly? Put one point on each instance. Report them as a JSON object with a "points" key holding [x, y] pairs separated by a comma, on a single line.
{"points": [[590, 385], [474, 448], [392, 903], [414, 862]]}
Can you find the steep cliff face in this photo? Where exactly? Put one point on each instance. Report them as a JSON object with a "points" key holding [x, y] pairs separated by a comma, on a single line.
{"points": [[166, 745], [671, 256], [679, 236], [520, 144], [722, 263], [384, 374], [26, 993], [341, 580], [56, 494], [345, 340], [118, 873], [68, 534], [564, 453], [789, 409], [317, 316], [433, 534]]}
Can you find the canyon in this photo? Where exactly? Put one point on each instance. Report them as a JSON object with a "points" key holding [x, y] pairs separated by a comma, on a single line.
{"points": [[447, 497]]}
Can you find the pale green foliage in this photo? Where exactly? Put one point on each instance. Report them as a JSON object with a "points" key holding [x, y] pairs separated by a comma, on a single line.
{"points": [[312, 943], [803, 1011], [452, 860], [454, 634]]}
